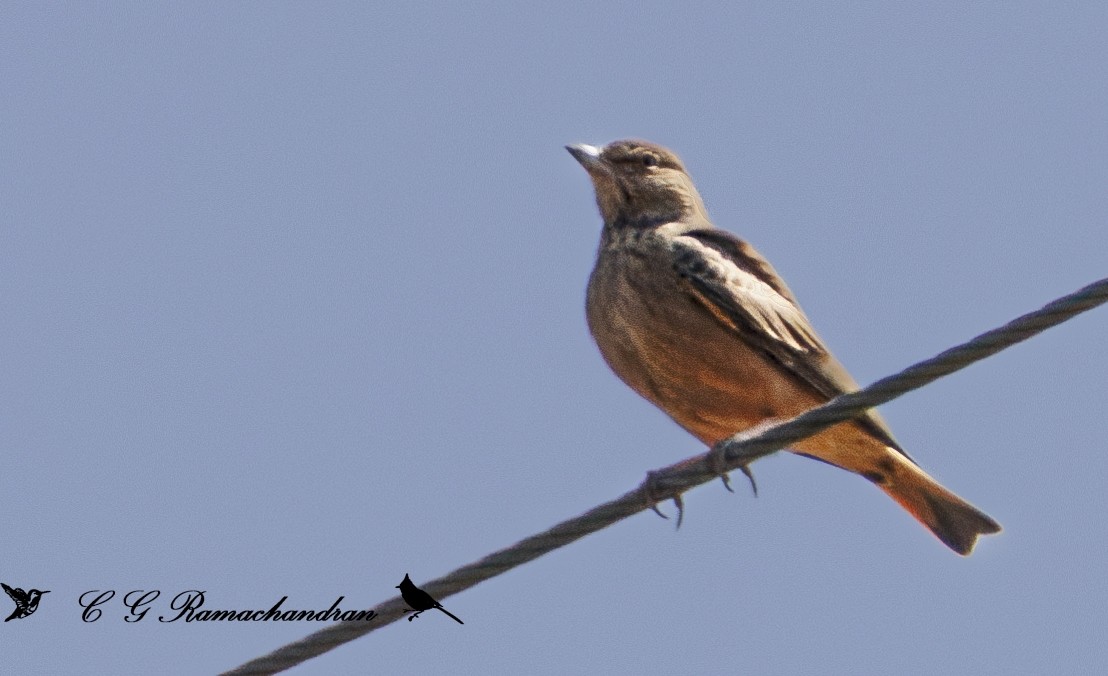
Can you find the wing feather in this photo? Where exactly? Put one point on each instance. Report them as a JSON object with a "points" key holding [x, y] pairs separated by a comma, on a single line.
{"points": [[743, 291]]}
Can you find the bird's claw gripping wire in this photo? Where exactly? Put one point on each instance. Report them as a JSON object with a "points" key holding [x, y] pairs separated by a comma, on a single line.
{"points": [[717, 463], [650, 493]]}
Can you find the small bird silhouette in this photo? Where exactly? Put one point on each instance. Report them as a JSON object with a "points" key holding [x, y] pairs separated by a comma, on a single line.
{"points": [[26, 603], [697, 322], [420, 600]]}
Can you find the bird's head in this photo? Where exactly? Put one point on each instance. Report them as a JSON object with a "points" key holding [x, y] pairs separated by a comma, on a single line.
{"points": [[638, 182]]}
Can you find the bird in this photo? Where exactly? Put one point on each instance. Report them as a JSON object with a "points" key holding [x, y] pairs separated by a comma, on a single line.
{"points": [[696, 321], [420, 600], [26, 603]]}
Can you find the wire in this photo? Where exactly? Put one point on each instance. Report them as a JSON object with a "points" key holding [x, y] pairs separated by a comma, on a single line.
{"points": [[672, 481]]}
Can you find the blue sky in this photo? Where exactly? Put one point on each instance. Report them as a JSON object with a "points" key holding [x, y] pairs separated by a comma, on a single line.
{"points": [[292, 301]]}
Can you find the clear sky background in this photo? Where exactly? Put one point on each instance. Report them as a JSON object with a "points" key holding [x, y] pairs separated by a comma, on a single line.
{"points": [[291, 303]]}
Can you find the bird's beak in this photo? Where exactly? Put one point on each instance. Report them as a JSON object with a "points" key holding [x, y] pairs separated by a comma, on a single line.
{"points": [[588, 156]]}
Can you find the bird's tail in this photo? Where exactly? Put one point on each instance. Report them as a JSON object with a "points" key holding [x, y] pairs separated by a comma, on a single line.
{"points": [[953, 520], [452, 615]]}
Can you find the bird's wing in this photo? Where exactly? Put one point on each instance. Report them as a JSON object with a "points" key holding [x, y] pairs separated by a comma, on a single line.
{"points": [[743, 291], [17, 595]]}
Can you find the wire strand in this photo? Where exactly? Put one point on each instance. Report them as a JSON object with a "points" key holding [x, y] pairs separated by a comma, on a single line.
{"points": [[672, 481]]}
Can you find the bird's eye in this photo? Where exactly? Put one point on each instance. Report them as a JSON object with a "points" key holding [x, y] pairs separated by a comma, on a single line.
{"points": [[649, 161]]}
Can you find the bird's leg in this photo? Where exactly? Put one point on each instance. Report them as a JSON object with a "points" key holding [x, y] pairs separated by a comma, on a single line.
{"points": [[716, 464], [650, 493], [716, 461], [414, 616], [717, 458]]}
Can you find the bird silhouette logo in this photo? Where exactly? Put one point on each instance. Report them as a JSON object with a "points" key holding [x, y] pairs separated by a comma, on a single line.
{"points": [[420, 600], [26, 603]]}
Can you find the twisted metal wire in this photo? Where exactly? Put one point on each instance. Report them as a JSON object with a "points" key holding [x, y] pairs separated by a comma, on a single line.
{"points": [[672, 481]]}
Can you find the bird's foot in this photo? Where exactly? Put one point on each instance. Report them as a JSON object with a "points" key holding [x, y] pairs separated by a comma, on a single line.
{"points": [[650, 494], [717, 463]]}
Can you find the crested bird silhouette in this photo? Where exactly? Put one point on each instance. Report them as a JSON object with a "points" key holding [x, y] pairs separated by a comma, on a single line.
{"points": [[26, 603], [420, 600], [699, 323]]}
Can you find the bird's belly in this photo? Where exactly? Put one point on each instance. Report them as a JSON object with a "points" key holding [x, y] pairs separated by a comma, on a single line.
{"points": [[674, 353]]}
